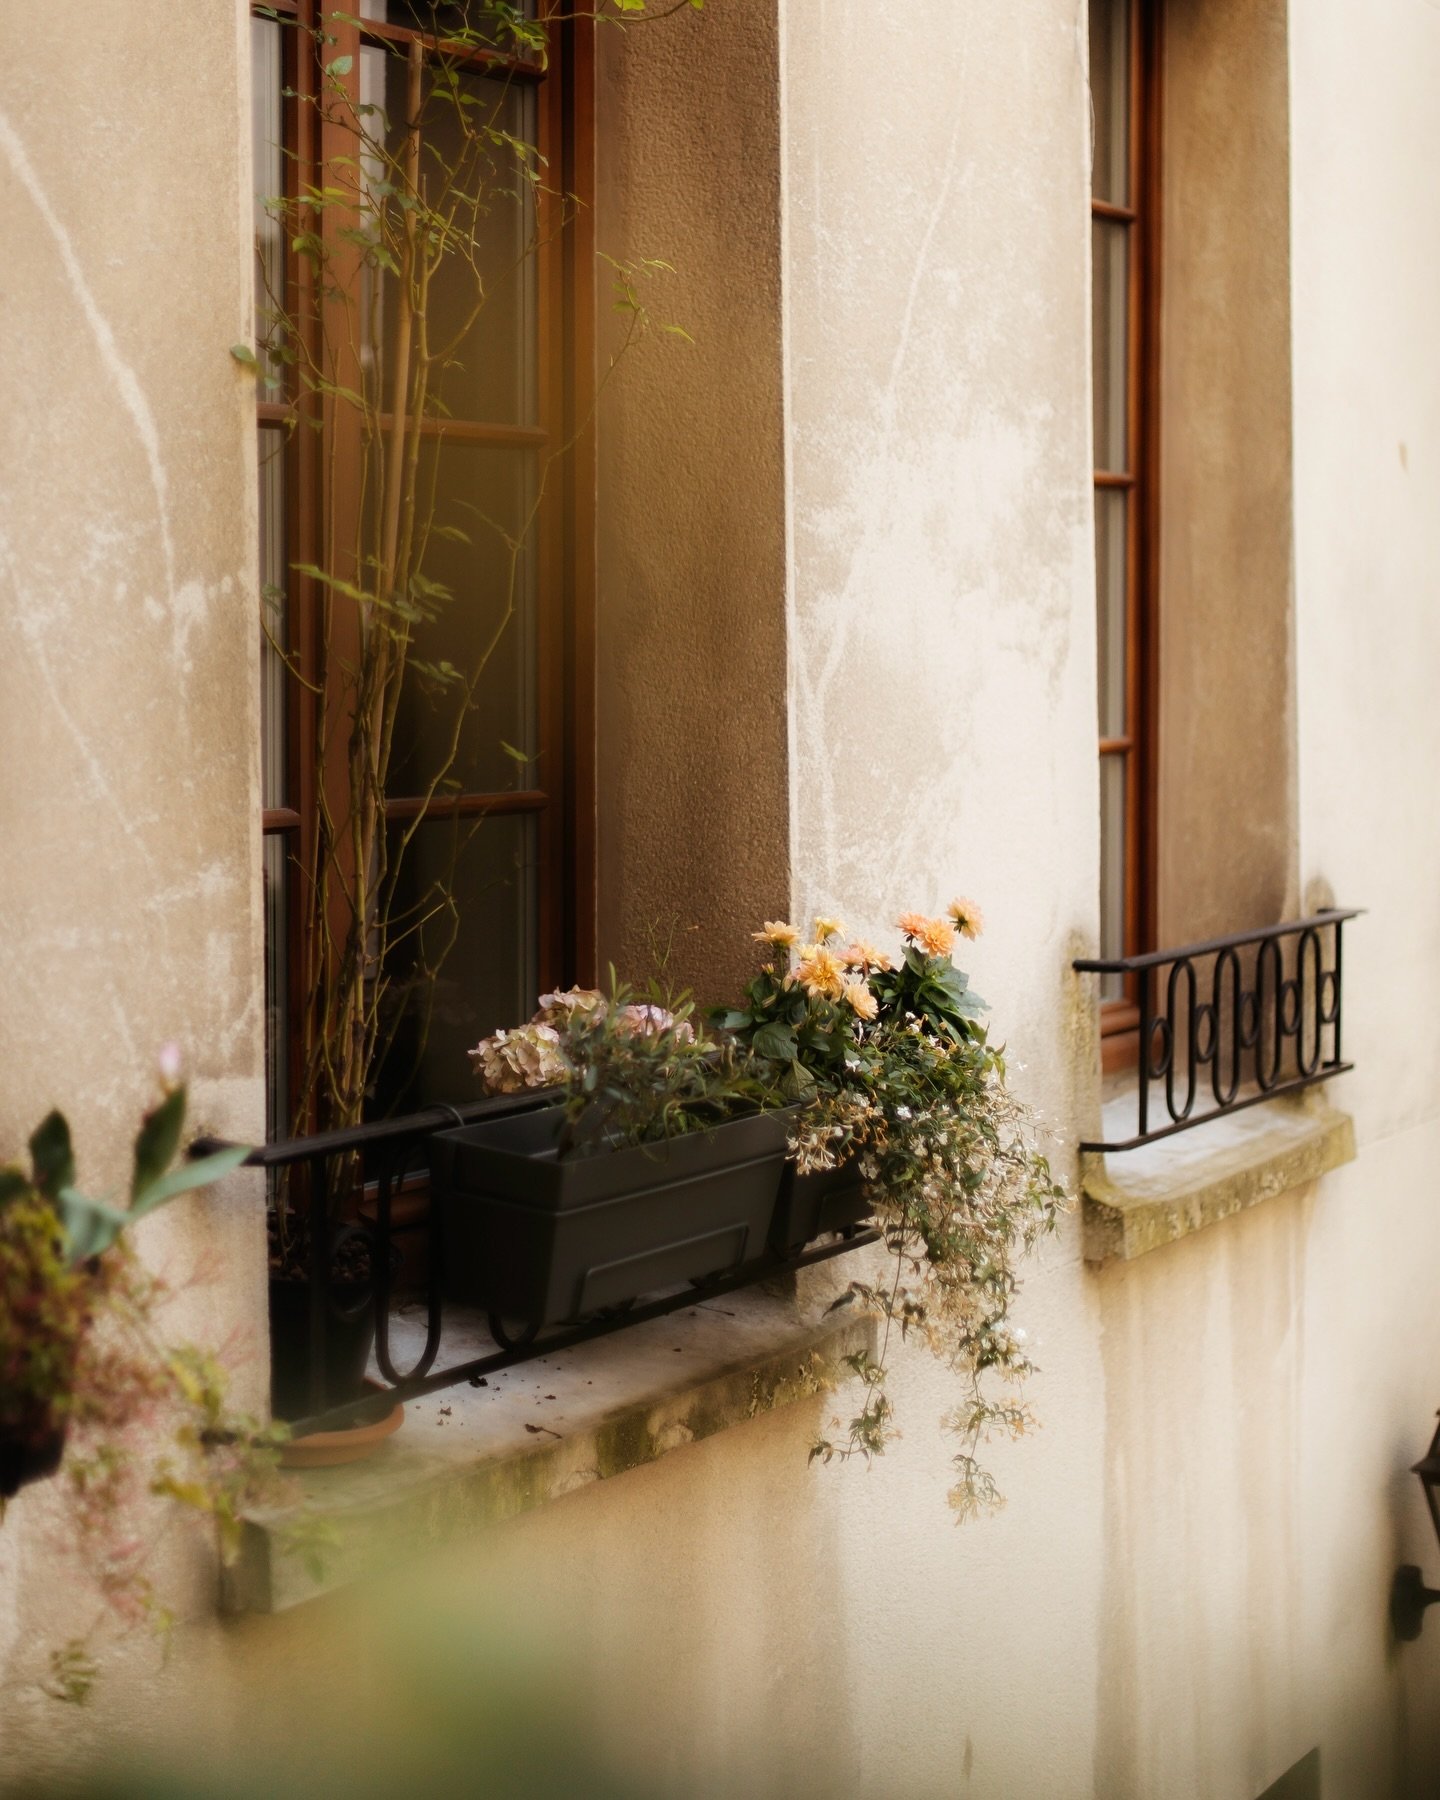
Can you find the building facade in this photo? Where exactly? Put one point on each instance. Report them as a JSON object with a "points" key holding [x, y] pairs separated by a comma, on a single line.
{"points": [[968, 347]]}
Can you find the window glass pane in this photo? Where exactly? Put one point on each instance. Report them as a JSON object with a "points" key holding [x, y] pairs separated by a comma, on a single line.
{"points": [[450, 18], [481, 305], [1111, 509], [275, 868], [471, 967], [1112, 869], [268, 164], [1109, 300], [486, 630], [273, 673], [1110, 99]]}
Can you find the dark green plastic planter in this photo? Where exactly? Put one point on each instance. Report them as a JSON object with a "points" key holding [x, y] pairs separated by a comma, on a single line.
{"points": [[536, 1239], [811, 1205]]}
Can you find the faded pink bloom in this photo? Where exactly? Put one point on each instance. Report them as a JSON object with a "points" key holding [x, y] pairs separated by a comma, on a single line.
{"points": [[511, 1062], [651, 1021]]}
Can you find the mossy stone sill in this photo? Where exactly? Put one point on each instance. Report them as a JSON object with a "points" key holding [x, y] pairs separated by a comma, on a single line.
{"points": [[1141, 1200], [469, 1458]]}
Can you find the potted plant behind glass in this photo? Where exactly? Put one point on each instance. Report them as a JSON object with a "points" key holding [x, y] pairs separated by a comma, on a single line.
{"points": [[368, 334], [660, 1164]]}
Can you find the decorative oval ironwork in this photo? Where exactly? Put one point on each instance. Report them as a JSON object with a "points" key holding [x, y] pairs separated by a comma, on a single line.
{"points": [[1244, 1026], [1204, 1015], [1181, 967], [1269, 957], [1308, 950], [1224, 1092]]}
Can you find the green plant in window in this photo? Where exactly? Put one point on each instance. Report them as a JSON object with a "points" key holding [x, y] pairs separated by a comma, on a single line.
{"points": [[431, 208]]}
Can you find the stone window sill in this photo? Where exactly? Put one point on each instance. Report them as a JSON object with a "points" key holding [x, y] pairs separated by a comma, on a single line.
{"points": [[470, 1457], [1142, 1199]]}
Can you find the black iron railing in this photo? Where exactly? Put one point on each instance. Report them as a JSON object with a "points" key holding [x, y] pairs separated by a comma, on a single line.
{"points": [[1249, 1016], [385, 1154]]}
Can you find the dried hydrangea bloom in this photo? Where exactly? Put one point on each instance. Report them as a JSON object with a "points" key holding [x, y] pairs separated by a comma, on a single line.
{"points": [[651, 1021], [511, 1062], [936, 937], [556, 1009], [777, 932], [828, 928], [821, 973], [861, 1001], [866, 957], [969, 921]]}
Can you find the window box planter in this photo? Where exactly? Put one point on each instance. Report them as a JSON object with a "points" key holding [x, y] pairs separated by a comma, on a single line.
{"points": [[813, 1204], [537, 1239]]}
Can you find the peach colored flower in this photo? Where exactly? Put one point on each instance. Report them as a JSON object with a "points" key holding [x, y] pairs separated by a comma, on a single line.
{"points": [[912, 924], [969, 920], [862, 1001], [936, 937], [827, 928], [820, 973], [861, 955], [777, 932]]}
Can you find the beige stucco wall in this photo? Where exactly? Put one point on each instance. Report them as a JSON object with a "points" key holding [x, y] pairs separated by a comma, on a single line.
{"points": [[1186, 1592], [129, 884], [1366, 249]]}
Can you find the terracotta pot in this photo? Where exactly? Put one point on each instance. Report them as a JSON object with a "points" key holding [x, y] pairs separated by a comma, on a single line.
{"points": [[29, 1454], [329, 1449]]}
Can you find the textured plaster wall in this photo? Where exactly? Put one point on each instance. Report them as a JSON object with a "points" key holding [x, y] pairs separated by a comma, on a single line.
{"points": [[1186, 1593], [691, 678], [1366, 250], [129, 883]]}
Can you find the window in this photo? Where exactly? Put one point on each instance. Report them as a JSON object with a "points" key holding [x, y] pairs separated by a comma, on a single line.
{"points": [[485, 802], [1124, 222]]}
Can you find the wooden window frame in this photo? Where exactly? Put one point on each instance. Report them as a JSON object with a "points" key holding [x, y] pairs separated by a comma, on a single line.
{"points": [[565, 807], [1141, 217]]}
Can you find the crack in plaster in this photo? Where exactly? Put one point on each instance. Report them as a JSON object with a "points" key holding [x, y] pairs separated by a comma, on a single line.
{"points": [[124, 377]]}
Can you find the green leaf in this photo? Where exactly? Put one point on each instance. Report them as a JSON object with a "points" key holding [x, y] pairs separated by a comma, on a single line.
{"points": [[514, 754], [244, 354], [775, 1042], [157, 1142], [189, 1176], [342, 65], [91, 1226], [14, 1183], [51, 1155]]}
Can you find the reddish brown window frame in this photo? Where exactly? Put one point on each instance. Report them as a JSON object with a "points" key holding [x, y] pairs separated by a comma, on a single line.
{"points": [[565, 806], [1141, 219]]}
